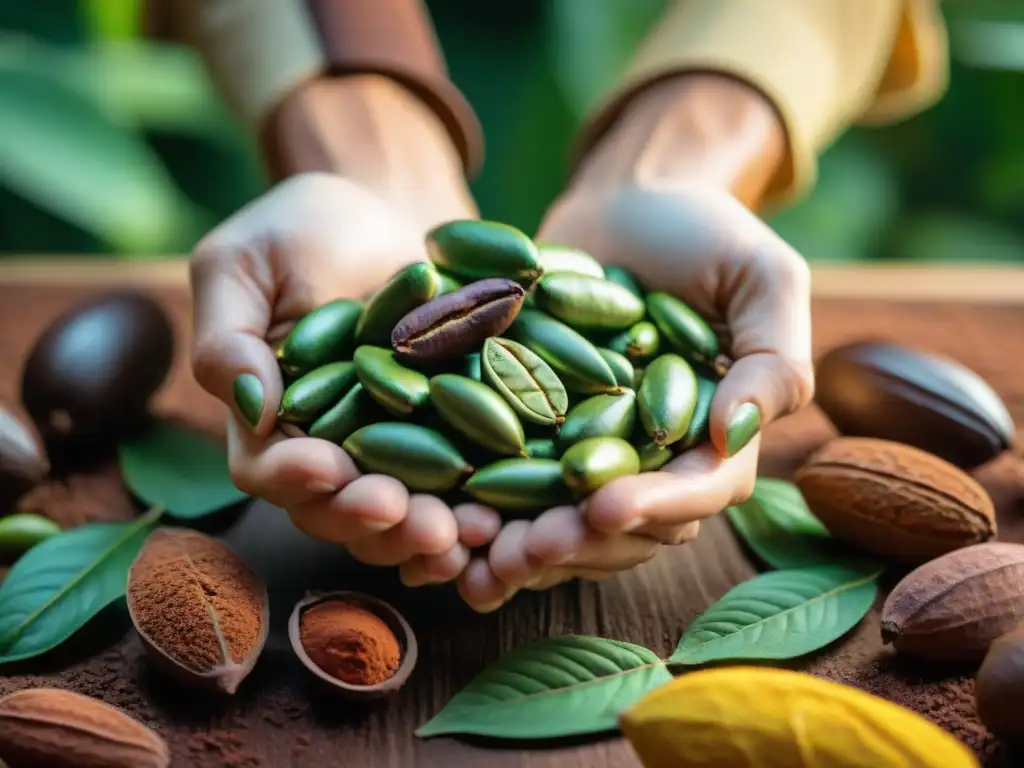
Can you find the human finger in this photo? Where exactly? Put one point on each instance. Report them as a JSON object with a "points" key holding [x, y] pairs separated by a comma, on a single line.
{"points": [[478, 525], [508, 558], [481, 589], [698, 484], [428, 529], [285, 471], [231, 314], [562, 537], [434, 569], [368, 505]]}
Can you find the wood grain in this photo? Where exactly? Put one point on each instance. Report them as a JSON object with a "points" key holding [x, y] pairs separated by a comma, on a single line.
{"points": [[277, 720], [980, 284]]}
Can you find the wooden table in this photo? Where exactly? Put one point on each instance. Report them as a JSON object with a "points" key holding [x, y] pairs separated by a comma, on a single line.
{"points": [[277, 720]]}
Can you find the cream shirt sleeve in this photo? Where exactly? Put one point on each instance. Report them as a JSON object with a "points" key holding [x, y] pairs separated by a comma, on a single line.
{"points": [[825, 64], [256, 51]]}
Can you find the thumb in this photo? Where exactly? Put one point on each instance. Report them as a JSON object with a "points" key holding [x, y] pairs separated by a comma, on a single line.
{"points": [[769, 320], [231, 311]]}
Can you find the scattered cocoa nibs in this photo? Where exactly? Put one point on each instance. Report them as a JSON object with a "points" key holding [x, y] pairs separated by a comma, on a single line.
{"points": [[349, 642]]}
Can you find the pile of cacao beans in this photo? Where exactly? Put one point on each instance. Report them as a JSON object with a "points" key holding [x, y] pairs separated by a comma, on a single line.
{"points": [[523, 375]]}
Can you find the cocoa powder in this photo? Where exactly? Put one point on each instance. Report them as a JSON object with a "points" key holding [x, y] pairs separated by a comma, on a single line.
{"points": [[349, 642], [173, 589]]}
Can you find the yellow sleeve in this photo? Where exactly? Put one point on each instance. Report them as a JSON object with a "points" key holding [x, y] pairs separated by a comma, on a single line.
{"points": [[825, 64]]}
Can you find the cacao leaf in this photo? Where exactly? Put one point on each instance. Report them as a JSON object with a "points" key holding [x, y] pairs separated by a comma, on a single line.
{"points": [[63, 582], [780, 615], [177, 469], [561, 686], [777, 525]]}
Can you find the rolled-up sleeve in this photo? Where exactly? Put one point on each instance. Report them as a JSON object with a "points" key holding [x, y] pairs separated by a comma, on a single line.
{"points": [[258, 51], [824, 64]]}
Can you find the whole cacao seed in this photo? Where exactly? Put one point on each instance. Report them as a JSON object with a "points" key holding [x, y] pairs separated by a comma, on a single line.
{"points": [[880, 389], [457, 323]]}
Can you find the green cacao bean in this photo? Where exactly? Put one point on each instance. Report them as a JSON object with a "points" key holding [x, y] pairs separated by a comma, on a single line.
{"points": [[638, 377], [411, 286], [526, 382], [325, 335], [399, 389], [684, 330], [667, 399], [422, 459], [565, 258], [479, 413], [21, 531], [638, 343], [472, 366], [599, 416], [623, 277], [592, 463], [355, 410], [542, 448], [653, 456], [577, 362], [698, 431], [621, 367], [586, 302], [448, 283], [309, 397], [473, 250], [519, 484]]}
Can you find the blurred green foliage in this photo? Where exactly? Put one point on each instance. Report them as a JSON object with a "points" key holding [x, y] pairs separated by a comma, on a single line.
{"points": [[111, 143]]}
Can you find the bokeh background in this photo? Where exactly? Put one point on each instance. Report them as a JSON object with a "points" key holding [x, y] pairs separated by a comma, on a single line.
{"points": [[112, 143]]}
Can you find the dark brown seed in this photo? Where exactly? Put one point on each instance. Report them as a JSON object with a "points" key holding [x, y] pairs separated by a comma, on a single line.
{"points": [[457, 323], [883, 390]]}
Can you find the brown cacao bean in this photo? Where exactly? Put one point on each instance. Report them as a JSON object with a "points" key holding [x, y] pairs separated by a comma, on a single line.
{"points": [[457, 323]]}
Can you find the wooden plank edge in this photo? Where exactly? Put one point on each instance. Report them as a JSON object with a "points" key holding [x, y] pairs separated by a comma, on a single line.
{"points": [[980, 284]]}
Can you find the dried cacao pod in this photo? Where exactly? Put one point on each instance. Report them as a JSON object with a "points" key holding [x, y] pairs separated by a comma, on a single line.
{"points": [[952, 608], [895, 500]]}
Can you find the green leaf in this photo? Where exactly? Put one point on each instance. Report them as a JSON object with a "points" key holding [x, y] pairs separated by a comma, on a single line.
{"points": [[780, 615], [776, 523], [181, 471], [63, 582], [65, 153], [561, 686]]}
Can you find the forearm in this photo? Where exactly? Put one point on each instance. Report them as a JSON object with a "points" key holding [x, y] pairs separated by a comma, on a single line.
{"points": [[691, 127], [373, 132]]}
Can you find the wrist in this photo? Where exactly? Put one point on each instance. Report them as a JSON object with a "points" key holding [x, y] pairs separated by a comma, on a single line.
{"points": [[375, 133], [692, 128]]}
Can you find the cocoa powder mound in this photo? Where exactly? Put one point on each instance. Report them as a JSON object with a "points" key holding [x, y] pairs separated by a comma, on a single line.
{"points": [[173, 589], [350, 643]]}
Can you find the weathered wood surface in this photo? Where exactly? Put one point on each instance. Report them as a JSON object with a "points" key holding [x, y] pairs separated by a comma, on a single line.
{"points": [[277, 720]]}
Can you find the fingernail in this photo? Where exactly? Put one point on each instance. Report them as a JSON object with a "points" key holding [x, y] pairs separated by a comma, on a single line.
{"points": [[249, 398], [489, 607], [744, 423], [319, 486]]}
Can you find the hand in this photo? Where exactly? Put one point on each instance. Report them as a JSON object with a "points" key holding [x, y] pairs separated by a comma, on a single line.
{"points": [[314, 238], [686, 233]]}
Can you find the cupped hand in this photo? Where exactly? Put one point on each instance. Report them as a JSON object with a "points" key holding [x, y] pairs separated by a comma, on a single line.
{"points": [[700, 244], [313, 238]]}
